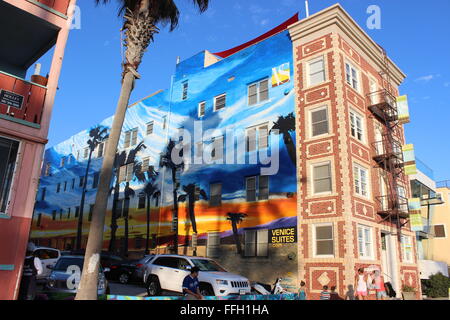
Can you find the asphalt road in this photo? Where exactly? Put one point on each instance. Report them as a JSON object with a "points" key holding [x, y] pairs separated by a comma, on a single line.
{"points": [[132, 289]]}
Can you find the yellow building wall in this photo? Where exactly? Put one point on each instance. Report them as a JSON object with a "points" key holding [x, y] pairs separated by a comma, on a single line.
{"points": [[440, 247]]}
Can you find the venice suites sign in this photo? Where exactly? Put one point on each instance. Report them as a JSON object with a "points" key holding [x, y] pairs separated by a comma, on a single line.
{"points": [[283, 235]]}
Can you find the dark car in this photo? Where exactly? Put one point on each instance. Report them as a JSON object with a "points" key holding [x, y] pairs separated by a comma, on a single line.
{"points": [[106, 259], [128, 271]]}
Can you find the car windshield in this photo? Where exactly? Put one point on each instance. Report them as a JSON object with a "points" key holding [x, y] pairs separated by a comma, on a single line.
{"points": [[64, 263], [207, 265]]}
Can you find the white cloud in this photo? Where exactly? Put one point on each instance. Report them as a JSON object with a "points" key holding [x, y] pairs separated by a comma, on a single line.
{"points": [[425, 78]]}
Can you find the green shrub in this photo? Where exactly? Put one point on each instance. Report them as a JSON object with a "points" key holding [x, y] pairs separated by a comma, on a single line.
{"points": [[437, 286], [408, 289]]}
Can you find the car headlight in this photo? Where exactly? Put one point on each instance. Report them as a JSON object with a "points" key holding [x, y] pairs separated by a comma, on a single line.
{"points": [[51, 283], [222, 282]]}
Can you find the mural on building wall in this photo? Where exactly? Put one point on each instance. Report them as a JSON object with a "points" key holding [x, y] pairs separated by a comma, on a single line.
{"points": [[249, 94]]}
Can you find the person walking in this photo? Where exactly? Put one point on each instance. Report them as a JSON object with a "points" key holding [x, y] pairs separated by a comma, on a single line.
{"points": [[325, 294], [379, 285], [32, 266], [302, 291], [361, 284], [191, 286]]}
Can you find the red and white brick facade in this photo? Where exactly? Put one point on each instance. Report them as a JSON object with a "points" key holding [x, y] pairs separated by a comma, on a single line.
{"points": [[333, 35]]}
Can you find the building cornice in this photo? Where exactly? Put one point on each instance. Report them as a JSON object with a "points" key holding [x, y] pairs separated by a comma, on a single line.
{"points": [[336, 15]]}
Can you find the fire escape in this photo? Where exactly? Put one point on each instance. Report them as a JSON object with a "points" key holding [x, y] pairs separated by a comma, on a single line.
{"points": [[388, 154]]}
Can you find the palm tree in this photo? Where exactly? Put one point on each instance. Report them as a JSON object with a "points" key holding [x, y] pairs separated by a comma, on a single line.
{"points": [[140, 25], [285, 125], [192, 194], [235, 219], [121, 160], [166, 161], [98, 134], [150, 191]]}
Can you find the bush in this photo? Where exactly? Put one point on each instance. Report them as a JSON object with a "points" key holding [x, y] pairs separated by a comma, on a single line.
{"points": [[437, 286]]}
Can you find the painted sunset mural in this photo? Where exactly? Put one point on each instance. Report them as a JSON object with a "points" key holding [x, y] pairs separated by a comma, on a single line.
{"points": [[249, 92]]}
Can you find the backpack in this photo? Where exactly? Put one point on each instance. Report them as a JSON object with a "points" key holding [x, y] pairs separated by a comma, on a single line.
{"points": [[390, 290]]}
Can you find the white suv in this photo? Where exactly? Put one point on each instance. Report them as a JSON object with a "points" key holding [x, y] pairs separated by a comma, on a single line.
{"points": [[167, 272]]}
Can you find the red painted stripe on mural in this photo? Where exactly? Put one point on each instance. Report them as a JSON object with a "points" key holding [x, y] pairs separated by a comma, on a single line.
{"points": [[278, 29]]}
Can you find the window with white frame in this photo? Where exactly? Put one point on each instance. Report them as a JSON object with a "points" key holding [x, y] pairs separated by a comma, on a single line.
{"points": [[220, 102], [352, 76], [9, 150], [256, 243], [201, 109], [145, 164], [257, 188], [126, 173], [316, 71], [215, 199], [319, 121], [185, 90], [361, 180], [101, 148], [217, 148], [322, 180], [365, 242], [257, 137], [130, 138], [47, 170], [323, 240], [150, 127], [86, 153], [258, 92], [357, 125], [407, 248]]}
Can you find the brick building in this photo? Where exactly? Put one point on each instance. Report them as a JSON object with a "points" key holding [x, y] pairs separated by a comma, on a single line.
{"points": [[345, 214]]}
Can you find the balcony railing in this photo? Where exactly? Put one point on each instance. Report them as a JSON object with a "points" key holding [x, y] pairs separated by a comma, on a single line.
{"points": [[20, 100], [443, 184], [60, 6], [390, 206], [383, 105]]}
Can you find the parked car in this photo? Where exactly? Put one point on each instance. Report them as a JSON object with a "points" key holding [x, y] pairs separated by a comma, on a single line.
{"points": [[57, 281], [141, 267], [129, 270], [48, 257], [106, 259], [167, 272]]}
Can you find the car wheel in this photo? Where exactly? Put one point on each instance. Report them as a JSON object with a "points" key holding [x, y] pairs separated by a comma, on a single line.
{"points": [[124, 278], [153, 287], [206, 289]]}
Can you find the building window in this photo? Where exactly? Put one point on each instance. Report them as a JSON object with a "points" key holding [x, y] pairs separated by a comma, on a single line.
{"points": [[213, 244], [439, 231], [95, 180], [65, 186], [216, 195], [185, 90], [217, 149], [86, 153], [256, 243], [81, 185], [150, 126], [201, 109], [361, 177], [8, 157], [145, 164], [351, 76], [77, 212], [316, 71], [47, 166], [258, 92], [220, 102], [365, 242], [38, 222], [101, 149], [257, 137], [130, 138], [322, 180], [58, 187], [164, 122], [319, 122], [323, 239], [141, 201], [407, 250], [257, 188], [126, 173], [356, 126], [91, 211]]}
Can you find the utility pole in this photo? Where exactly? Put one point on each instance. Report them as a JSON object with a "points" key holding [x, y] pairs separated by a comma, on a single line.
{"points": [[307, 8]]}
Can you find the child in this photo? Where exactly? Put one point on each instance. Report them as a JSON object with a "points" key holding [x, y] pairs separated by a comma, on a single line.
{"points": [[334, 295], [325, 294], [302, 291]]}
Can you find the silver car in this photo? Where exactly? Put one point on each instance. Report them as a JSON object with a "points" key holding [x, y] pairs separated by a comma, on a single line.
{"points": [[66, 273]]}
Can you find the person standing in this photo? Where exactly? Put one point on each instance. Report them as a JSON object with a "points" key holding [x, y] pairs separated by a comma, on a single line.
{"points": [[361, 284], [325, 294], [191, 286], [302, 291], [379, 285], [31, 267]]}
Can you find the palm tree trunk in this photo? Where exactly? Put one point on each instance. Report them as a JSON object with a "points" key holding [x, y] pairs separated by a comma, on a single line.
{"points": [[290, 147], [147, 238], [89, 280], [236, 237], [81, 210]]}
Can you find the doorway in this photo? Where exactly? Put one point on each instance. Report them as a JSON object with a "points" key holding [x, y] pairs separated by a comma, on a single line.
{"points": [[389, 260]]}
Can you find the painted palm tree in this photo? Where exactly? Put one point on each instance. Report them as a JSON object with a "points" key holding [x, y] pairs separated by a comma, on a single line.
{"points": [[235, 219], [97, 135], [128, 194], [150, 191], [192, 194], [285, 126], [167, 162], [141, 18], [121, 160]]}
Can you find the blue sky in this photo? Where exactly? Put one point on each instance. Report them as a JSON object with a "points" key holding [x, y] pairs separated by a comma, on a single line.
{"points": [[415, 34]]}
